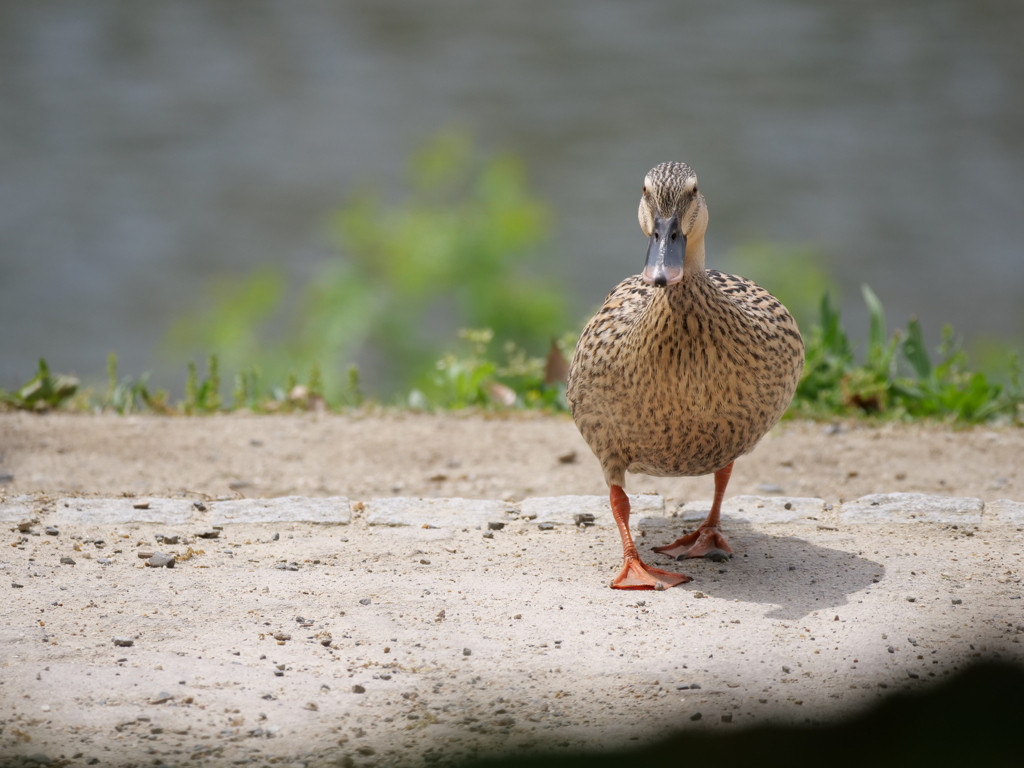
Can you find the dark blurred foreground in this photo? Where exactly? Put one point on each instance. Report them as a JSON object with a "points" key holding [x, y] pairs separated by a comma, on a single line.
{"points": [[977, 718]]}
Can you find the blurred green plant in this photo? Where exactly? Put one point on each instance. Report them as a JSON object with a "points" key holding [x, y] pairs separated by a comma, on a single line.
{"points": [[42, 392], [471, 378], [202, 396], [131, 395], [457, 251], [898, 378]]}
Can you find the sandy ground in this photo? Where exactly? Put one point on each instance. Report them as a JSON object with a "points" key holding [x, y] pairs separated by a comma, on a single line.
{"points": [[472, 457], [417, 646]]}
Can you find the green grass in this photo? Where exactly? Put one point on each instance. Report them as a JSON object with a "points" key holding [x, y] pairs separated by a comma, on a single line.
{"points": [[897, 380], [42, 392]]}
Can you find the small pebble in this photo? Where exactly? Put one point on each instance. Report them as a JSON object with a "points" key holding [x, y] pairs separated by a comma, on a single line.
{"points": [[957, 601], [717, 556], [282, 636], [162, 698], [489, 535], [364, 601], [199, 506], [495, 525], [161, 560], [276, 537], [67, 560], [212, 534], [16, 585], [911, 599], [104, 560], [696, 716], [467, 652], [140, 505], [50, 531], [358, 689], [124, 642], [546, 526]]}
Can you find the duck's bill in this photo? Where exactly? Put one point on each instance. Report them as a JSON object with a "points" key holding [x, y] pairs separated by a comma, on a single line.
{"points": [[665, 253]]}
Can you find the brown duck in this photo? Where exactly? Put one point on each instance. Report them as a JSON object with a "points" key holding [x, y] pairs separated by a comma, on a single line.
{"points": [[681, 371]]}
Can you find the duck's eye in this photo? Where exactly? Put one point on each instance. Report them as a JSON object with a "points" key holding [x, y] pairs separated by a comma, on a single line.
{"points": [[656, 235], [644, 190], [674, 236]]}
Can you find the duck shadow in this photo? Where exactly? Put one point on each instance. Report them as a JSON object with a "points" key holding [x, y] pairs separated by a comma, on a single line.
{"points": [[793, 574]]}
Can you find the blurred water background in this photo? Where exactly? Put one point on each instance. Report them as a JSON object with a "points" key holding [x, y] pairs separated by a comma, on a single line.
{"points": [[148, 148]]}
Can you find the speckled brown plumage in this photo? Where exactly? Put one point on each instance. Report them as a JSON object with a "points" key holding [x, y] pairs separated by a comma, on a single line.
{"points": [[682, 380], [685, 378]]}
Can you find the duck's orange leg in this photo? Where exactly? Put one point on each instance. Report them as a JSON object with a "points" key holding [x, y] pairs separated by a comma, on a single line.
{"points": [[635, 574], [708, 537]]}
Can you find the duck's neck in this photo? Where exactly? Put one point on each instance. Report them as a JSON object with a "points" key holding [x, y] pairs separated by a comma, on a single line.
{"points": [[693, 260]]}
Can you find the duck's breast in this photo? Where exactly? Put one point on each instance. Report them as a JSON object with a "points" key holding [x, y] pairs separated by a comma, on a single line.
{"points": [[682, 380]]}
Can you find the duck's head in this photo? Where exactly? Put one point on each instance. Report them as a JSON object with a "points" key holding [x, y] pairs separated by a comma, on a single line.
{"points": [[674, 216]]}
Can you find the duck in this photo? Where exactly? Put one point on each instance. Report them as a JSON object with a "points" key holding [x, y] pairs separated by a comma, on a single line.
{"points": [[681, 371]]}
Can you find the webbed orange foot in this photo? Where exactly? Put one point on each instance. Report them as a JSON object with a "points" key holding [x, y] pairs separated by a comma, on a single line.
{"points": [[638, 575], [707, 541]]}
